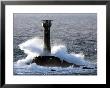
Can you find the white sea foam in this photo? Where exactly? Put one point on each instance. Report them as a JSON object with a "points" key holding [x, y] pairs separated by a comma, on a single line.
{"points": [[42, 70]]}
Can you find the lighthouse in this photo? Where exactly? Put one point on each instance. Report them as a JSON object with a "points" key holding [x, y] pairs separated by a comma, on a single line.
{"points": [[47, 46], [46, 59]]}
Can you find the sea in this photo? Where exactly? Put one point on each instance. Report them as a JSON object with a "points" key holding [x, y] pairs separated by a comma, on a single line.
{"points": [[77, 32]]}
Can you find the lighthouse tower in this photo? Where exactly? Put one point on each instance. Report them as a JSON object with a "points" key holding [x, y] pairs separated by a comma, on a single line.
{"points": [[47, 46]]}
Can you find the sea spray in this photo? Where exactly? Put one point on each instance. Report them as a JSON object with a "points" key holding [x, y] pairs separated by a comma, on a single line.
{"points": [[61, 52], [34, 47]]}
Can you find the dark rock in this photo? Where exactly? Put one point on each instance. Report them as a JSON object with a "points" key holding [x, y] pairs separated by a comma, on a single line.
{"points": [[87, 68], [53, 70], [50, 61]]}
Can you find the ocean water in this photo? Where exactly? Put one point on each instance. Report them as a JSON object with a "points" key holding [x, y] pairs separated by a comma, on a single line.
{"points": [[76, 32]]}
